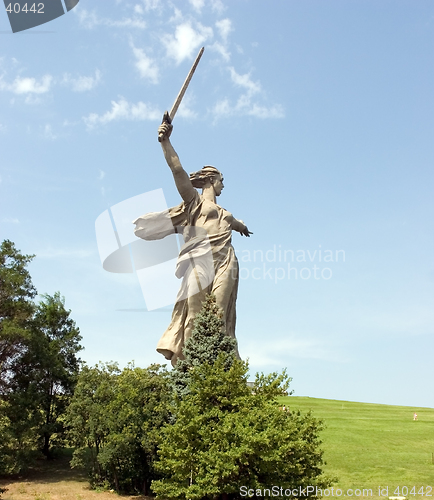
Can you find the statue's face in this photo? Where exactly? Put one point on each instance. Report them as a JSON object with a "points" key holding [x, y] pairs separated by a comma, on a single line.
{"points": [[218, 185]]}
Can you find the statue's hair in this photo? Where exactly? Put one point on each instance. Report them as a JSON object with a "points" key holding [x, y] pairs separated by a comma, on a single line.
{"points": [[200, 178]]}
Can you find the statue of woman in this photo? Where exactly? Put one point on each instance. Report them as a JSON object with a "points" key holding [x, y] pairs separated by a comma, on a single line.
{"points": [[207, 261]]}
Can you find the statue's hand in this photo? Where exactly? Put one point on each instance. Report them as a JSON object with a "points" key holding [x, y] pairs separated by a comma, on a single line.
{"points": [[166, 127], [246, 232]]}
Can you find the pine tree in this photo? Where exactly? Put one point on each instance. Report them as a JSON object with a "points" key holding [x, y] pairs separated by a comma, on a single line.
{"points": [[208, 340]]}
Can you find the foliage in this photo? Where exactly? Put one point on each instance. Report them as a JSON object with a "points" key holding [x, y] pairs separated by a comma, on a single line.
{"points": [[45, 373], [16, 306], [114, 421], [208, 340], [224, 435], [16, 310]]}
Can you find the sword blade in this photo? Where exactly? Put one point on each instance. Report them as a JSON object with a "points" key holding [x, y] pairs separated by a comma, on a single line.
{"points": [[184, 87]]}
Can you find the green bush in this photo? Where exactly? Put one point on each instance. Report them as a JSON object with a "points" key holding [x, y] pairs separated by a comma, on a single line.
{"points": [[114, 420]]}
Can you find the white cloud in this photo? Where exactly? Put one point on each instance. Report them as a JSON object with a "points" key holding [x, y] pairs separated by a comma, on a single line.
{"points": [[126, 23], [53, 253], [245, 82], [123, 110], [2, 129], [222, 50], [151, 4], [222, 108], [138, 9], [87, 19], [186, 40], [177, 16], [245, 104], [10, 220], [101, 175], [277, 352], [28, 85], [82, 83], [90, 19], [224, 27], [145, 65], [197, 4], [48, 133], [218, 6], [185, 110], [275, 111]]}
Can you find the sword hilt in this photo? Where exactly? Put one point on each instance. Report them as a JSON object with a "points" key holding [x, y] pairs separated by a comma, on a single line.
{"points": [[166, 119]]}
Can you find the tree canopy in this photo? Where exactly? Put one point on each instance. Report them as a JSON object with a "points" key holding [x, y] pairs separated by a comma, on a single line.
{"points": [[16, 306]]}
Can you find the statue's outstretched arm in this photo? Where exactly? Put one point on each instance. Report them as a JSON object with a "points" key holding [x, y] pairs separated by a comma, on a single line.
{"points": [[182, 180], [238, 225]]}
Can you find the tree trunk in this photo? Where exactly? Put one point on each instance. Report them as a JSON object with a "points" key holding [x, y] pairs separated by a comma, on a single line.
{"points": [[46, 447]]}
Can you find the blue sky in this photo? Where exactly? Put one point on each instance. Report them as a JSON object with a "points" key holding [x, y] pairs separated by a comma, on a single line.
{"points": [[320, 116]]}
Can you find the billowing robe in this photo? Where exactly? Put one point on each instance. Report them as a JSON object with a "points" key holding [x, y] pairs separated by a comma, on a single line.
{"points": [[206, 264]]}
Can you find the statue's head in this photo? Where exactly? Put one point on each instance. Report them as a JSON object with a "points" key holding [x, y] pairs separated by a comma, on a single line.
{"points": [[208, 176]]}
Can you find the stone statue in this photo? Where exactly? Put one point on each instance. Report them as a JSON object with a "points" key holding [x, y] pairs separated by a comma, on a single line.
{"points": [[207, 261]]}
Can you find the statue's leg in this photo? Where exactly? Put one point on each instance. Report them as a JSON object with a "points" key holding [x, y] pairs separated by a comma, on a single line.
{"points": [[199, 286], [225, 288]]}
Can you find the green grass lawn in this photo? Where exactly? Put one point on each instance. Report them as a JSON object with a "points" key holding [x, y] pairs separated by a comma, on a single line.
{"points": [[370, 445]]}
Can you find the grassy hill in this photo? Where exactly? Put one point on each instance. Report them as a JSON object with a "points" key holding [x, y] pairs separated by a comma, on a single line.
{"points": [[370, 445]]}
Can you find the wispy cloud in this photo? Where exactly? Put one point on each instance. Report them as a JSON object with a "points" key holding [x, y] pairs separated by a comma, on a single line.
{"points": [[151, 4], [197, 4], [28, 85], [82, 83], [224, 27], [276, 352], [185, 109], [218, 6], [123, 110], [222, 50], [245, 105], [48, 133], [90, 19], [53, 253], [186, 40], [10, 220], [245, 82], [145, 65], [101, 175]]}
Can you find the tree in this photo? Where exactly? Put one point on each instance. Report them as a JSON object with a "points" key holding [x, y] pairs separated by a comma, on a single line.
{"points": [[115, 419], [224, 435], [88, 417], [208, 340], [16, 310], [16, 306], [45, 373]]}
